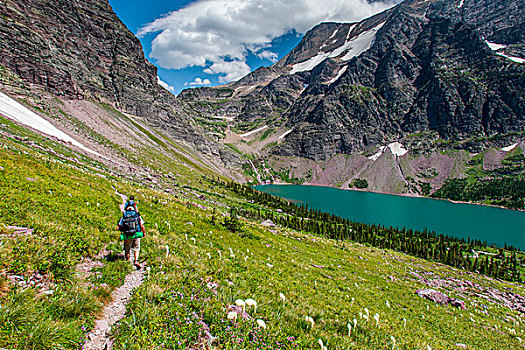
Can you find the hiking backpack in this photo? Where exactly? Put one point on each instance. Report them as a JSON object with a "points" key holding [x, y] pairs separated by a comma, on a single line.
{"points": [[130, 222]]}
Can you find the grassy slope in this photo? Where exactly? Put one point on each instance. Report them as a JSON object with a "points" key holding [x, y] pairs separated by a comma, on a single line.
{"points": [[179, 296]]}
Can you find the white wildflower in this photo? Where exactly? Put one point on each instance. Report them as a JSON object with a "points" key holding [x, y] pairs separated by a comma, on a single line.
{"points": [[355, 323], [240, 302], [311, 320], [387, 304], [349, 328], [320, 341], [282, 297], [261, 323], [250, 303], [376, 317], [393, 341], [232, 315], [167, 250]]}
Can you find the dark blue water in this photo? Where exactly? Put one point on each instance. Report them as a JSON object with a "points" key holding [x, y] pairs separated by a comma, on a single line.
{"points": [[494, 225]]}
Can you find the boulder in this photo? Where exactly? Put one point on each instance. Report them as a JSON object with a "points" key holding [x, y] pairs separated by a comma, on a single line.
{"points": [[440, 298], [268, 223]]}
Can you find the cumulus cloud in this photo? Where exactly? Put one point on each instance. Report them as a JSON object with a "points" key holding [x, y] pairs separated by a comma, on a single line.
{"points": [[165, 85], [268, 55], [198, 81], [218, 34]]}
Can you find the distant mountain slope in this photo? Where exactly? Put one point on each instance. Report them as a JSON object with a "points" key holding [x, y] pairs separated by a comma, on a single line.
{"points": [[448, 66], [80, 50]]}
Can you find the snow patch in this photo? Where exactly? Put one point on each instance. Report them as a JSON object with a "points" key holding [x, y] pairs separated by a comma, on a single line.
{"points": [[334, 33], [341, 72], [14, 110], [361, 43], [509, 148], [285, 133], [396, 148], [222, 117], [308, 64], [512, 58], [352, 47], [461, 3], [254, 131], [378, 154], [496, 47]]}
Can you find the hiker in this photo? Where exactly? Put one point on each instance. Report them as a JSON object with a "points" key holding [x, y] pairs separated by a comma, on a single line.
{"points": [[131, 227]]}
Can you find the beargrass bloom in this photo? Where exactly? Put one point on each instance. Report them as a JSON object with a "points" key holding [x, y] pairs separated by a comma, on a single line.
{"points": [[282, 297], [376, 317], [240, 302], [261, 323], [232, 315], [310, 320], [250, 303], [393, 341]]}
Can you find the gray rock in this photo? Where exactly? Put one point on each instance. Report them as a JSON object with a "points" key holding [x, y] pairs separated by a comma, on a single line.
{"points": [[440, 298], [268, 223]]}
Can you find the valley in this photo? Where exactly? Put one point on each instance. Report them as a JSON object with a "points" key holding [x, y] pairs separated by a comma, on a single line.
{"points": [[424, 99]]}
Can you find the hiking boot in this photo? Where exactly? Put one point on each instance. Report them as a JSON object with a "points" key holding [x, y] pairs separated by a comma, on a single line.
{"points": [[137, 264]]}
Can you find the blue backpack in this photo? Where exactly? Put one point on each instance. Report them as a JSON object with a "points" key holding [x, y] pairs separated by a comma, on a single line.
{"points": [[130, 223]]}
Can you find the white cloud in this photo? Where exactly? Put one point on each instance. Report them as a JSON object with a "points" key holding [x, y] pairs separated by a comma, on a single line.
{"points": [[229, 71], [268, 55], [165, 85], [198, 81], [218, 34]]}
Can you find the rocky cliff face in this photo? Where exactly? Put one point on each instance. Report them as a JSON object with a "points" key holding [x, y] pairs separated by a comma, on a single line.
{"points": [[454, 67], [81, 50]]}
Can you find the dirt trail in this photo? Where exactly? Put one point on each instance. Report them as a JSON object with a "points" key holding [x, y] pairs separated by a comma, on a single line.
{"points": [[98, 338]]}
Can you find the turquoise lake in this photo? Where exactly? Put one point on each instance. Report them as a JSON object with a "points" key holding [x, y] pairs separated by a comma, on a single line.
{"points": [[491, 224]]}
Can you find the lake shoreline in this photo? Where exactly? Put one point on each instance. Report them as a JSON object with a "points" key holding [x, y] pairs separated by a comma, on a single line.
{"points": [[493, 224], [393, 194]]}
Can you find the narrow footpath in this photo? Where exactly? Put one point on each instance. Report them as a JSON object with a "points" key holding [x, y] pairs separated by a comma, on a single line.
{"points": [[99, 338]]}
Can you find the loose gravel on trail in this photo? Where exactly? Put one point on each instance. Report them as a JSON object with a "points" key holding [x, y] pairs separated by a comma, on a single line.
{"points": [[99, 337]]}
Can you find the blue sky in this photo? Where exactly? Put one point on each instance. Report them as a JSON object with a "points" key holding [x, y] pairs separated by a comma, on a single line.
{"points": [[212, 42]]}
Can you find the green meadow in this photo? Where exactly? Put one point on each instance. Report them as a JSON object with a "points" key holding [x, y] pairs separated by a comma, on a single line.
{"points": [[310, 292]]}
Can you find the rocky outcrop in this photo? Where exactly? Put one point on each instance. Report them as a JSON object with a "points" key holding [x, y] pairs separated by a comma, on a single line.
{"points": [[440, 298], [428, 69], [81, 50], [422, 66]]}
